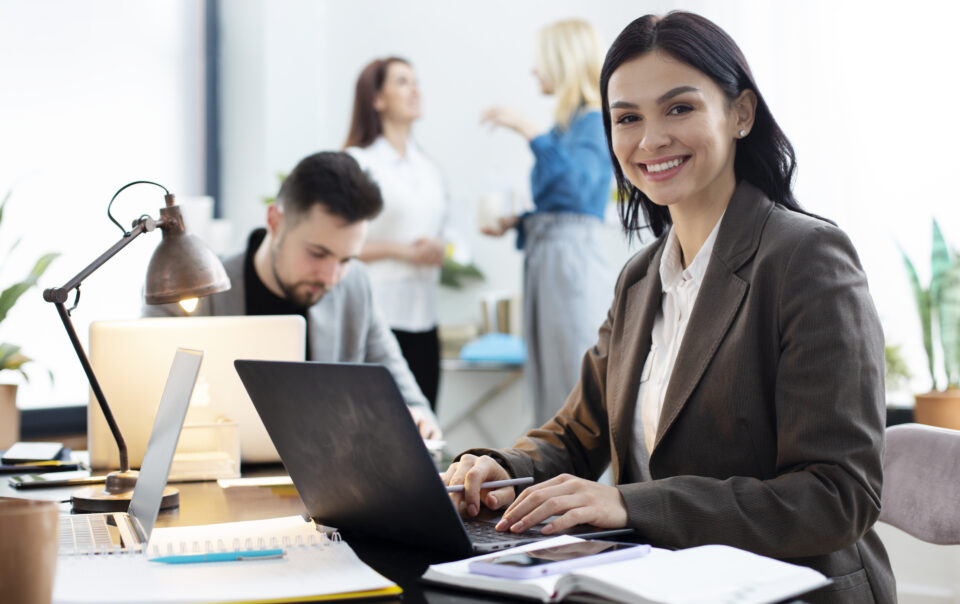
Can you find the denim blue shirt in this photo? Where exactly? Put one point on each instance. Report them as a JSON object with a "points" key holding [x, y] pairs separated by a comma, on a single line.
{"points": [[572, 172]]}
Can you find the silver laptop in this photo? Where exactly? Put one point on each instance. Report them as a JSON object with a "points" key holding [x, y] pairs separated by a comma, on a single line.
{"points": [[357, 459], [130, 359], [129, 531]]}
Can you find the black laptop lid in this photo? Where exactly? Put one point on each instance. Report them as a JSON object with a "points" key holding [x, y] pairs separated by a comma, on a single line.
{"points": [[353, 451]]}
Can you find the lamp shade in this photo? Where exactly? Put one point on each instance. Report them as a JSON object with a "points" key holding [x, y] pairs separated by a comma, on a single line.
{"points": [[182, 266]]}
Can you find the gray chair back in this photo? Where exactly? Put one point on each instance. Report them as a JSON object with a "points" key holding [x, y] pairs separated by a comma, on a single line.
{"points": [[921, 482]]}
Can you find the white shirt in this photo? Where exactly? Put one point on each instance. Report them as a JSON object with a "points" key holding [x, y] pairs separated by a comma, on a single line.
{"points": [[414, 206], [680, 289]]}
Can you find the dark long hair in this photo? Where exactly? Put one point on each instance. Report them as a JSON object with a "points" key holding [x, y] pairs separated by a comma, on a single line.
{"points": [[365, 125], [764, 158]]}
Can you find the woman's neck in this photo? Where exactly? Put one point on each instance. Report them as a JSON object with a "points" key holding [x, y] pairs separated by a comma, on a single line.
{"points": [[693, 223], [397, 134]]}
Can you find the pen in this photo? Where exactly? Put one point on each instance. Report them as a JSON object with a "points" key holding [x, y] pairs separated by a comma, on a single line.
{"points": [[253, 554], [495, 484]]}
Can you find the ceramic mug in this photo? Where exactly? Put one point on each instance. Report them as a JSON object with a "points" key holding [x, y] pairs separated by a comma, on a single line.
{"points": [[28, 549]]}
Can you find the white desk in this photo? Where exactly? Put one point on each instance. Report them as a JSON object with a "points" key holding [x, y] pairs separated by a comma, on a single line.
{"points": [[504, 376]]}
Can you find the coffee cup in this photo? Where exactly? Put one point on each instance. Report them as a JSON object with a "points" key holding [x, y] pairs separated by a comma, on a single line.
{"points": [[28, 550]]}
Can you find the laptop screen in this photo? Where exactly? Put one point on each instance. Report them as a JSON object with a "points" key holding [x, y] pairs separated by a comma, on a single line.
{"points": [[130, 359], [148, 493]]}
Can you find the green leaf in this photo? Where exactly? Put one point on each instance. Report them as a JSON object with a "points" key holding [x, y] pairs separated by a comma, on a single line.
{"points": [[3, 203], [947, 307], [9, 356], [922, 298], [42, 265], [939, 260], [452, 273], [10, 295]]}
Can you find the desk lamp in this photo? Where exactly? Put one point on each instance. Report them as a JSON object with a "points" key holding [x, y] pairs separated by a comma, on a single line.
{"points": [[182, 267]]}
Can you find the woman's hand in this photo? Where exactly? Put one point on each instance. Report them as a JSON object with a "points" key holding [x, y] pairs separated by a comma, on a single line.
{"points": [[427, 252], [509, 117], [428, 428], [574, 500], [471, 471], [504, 224]]}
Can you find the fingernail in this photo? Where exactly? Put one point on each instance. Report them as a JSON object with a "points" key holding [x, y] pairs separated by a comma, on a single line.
{"points": [[502, 525], [547, 529], [472, 510], [492, 501], [517, 528]]}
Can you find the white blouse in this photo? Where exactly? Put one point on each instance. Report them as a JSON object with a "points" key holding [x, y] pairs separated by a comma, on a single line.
{"points": [[414, 205], [680, 289]]}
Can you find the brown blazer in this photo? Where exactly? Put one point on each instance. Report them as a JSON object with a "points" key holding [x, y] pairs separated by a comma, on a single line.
{"points": [[771, 433]]}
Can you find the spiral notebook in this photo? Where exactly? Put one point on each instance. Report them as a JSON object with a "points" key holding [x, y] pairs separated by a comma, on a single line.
{"points": [[316, 564]]}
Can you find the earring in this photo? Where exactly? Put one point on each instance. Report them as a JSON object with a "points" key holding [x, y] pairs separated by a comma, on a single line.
{"points": [[743, 133]]}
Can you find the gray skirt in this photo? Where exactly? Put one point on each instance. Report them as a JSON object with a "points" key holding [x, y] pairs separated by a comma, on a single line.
{"points": [[568, 289]]}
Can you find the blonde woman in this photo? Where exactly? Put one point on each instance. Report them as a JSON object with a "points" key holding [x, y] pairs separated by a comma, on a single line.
{"points": [[567, 284]]}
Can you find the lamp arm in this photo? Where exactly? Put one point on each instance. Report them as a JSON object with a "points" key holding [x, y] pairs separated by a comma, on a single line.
{"points": [[142, 225], [58, 296]]}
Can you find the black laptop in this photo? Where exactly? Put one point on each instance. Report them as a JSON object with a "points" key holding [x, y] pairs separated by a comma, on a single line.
{"points": [[358, 461]]}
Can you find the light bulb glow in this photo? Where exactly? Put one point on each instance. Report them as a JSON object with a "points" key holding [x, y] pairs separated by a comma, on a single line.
{"points": [[190, 304]]}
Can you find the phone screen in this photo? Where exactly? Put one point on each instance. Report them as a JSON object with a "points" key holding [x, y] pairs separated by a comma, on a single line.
{"points": [[569, 551]]}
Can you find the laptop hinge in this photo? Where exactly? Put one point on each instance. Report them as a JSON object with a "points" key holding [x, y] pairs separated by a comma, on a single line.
{"points": [[130, 532]]}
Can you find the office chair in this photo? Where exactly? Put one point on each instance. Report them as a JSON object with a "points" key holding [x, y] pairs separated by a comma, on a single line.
{"points": [[921, 482]]}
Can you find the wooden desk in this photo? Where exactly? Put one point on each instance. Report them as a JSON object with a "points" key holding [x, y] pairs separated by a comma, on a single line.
{"points": [[206, 502]]}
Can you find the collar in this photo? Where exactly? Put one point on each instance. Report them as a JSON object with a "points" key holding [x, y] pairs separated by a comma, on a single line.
{"points": [[382, 146], [672, 273]]}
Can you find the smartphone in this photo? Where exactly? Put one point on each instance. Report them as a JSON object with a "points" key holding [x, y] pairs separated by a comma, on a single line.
{"points": [[51, 480], [551, 560]]}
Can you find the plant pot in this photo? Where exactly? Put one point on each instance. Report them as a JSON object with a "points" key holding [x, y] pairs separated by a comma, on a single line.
{"points": [[9, 415], [938, 409]]}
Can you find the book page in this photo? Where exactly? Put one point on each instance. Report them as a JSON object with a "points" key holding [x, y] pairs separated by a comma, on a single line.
{"points": [[710, 573]]}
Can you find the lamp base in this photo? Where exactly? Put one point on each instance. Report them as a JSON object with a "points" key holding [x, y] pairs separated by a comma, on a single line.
{"points": [[116, 495]]}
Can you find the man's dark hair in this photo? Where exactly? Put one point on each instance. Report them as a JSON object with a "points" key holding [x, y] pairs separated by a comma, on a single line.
{"points": [[334, 180]]}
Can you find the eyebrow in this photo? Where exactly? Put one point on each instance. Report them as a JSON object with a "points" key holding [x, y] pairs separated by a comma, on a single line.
{"points": [[660, 100], [316, 247]]}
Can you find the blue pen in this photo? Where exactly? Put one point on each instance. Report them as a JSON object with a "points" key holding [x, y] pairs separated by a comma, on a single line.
{"points": [[253, 554]]}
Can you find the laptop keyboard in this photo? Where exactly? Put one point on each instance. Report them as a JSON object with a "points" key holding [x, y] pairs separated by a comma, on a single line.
{"points": [[85, 534], [484, 532]]}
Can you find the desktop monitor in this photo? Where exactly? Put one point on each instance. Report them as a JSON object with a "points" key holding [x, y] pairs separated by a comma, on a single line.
{"points": [[131, 359]]}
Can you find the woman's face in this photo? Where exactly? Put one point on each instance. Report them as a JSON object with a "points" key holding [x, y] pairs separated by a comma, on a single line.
{"points": [[674, 131], [399, 99], [546, 87]]}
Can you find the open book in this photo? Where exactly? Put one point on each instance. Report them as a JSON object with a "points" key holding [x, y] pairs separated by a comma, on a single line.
{"points": [[315, 565], [710, 573]]}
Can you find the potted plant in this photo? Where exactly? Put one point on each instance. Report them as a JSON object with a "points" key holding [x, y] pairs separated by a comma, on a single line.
{"points": [[939, 307], [11, 359]]}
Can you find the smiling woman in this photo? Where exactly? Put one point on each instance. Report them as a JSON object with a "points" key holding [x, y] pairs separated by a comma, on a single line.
{"points": [[736, 387]]}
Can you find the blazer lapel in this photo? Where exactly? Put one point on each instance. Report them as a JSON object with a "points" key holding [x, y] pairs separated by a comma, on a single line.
{"points": [[641, 306], [721, 294]]}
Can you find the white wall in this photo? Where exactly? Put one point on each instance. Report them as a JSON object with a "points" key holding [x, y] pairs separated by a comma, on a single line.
{"points": [[93, 95]]}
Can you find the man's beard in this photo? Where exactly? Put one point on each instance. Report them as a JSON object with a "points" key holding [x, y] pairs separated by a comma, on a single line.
{"points": [[293, 292]]}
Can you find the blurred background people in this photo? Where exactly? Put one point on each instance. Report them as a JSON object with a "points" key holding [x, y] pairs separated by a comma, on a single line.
{"points": [[405, 245], [567, 283]]}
